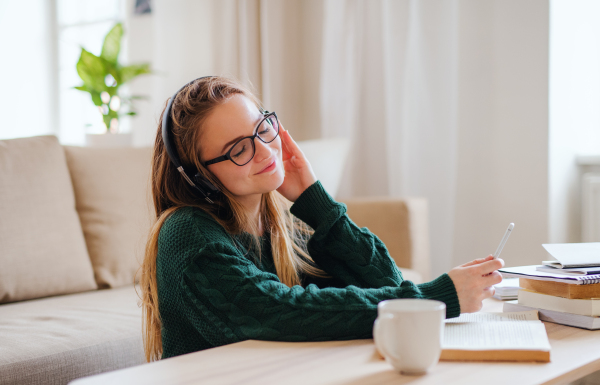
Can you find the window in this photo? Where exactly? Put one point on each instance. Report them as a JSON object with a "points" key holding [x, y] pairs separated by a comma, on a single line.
{"points": [[43, 40], [81, 23], [27, 88]]}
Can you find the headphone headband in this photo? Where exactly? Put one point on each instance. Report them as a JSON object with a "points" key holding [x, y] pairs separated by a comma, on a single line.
{"points": [[203, 186]]}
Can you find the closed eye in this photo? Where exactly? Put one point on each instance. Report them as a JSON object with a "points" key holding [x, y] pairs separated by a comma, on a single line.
{"points": [[240, 152]]}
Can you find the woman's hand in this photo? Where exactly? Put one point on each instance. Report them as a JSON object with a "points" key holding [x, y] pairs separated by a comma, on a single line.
{"points": [[299, 174], [473, 282]]}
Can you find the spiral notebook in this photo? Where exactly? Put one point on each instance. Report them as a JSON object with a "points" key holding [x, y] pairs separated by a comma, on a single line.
{"points": [[531, 272]]}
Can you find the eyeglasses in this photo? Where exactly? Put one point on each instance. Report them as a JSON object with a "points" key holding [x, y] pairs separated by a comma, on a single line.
{"points": [[244, 149]]}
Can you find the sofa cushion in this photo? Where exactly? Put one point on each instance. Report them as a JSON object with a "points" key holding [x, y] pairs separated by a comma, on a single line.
{"points": [[55, 340], [42, 249], [113, 202], [411, 275]]}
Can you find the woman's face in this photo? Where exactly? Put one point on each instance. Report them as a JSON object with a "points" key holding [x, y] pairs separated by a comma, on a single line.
{"points": [[227, 123]]}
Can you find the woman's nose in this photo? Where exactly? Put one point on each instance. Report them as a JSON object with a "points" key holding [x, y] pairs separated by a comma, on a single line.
{"points": [[263, 150]]}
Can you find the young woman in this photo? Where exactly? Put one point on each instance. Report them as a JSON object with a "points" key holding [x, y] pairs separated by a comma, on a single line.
{"points": [[252, 265]]}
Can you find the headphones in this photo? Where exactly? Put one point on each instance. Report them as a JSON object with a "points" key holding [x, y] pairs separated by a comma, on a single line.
{"points": [[199, 183]]}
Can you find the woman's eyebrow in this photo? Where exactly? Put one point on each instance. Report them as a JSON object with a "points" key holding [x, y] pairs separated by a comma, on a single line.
{"points": [[241, 136]]}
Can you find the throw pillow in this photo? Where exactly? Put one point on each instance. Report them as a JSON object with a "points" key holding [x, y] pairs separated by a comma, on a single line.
{"points": [[42, 249], [114, 206]]}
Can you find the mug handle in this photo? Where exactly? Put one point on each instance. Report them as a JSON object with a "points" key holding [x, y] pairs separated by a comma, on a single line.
{"points": [[378, 335]]}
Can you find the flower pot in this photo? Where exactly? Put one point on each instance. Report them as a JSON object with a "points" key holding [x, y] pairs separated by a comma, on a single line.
{"points": [[108, 140]]}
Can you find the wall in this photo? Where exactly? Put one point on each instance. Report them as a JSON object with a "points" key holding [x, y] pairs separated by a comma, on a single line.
{"points": [[574, 109], [139, 33], [503, 130]]}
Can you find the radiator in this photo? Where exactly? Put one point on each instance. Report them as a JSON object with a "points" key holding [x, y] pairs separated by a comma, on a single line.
{"points": [[590, 207]]}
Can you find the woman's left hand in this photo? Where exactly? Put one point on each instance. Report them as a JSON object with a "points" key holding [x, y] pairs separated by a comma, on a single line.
{"points": [[299, 174]]}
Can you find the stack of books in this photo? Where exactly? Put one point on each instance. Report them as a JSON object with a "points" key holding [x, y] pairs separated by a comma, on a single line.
{"points": [[565, 291]]}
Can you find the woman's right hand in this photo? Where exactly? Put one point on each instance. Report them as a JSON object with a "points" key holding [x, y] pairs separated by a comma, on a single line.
{"points": [[473, 282], [299, 174]]}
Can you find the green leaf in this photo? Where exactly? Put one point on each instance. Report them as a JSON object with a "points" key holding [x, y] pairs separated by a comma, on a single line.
{"points": [[112, 91], [112, 44], [96, 98], [113, 69], [133, 71], [81, 88], [91, 71], [106, 119], [135, 97]]}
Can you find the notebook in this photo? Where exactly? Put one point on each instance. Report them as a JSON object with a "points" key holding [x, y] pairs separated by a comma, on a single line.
{"points": [[548, 267], [517, 336], [571, 255], [531, 272]]}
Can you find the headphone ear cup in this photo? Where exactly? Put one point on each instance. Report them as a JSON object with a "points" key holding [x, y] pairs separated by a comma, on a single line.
{"points": [[204, 184]]}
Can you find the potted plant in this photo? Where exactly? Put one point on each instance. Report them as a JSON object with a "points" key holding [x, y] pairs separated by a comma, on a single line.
{"points": [[102, 77]]}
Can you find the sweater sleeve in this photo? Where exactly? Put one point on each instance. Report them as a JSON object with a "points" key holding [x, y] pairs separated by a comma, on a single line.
{"points": [[349, 253], [228, 299]]}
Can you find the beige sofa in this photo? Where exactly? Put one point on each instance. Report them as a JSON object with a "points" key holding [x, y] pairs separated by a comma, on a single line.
{"points": [[73, 223]]}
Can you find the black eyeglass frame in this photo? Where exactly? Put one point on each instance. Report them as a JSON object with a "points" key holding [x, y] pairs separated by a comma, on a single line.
{"points": [[227, 155]]}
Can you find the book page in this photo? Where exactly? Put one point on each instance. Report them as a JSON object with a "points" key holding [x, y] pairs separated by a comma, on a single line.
{"points": [[488, 317], [496, 335]]}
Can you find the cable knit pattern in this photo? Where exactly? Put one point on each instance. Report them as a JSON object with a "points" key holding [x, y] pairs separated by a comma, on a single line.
{"points": [[213, 292]]}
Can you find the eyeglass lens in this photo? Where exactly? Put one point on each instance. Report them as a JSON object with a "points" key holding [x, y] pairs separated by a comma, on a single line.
{"points": [[244, 150]]}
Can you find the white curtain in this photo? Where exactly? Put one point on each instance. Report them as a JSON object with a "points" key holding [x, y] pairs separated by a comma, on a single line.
{"points": [[389, 71], [273, 46]]}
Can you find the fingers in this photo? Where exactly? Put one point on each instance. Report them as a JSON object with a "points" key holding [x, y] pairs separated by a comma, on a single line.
{"points": [[493, 278], [489, 266], [474, 282], [489, 292], [478, 261], [286, 151], [290, 144]]}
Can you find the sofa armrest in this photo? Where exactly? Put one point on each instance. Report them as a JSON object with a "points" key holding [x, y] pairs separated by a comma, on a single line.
{"points": [[400, 223]]}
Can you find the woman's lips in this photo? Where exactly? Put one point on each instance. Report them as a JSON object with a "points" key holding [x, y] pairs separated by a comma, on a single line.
{"points": [[268, 168]]}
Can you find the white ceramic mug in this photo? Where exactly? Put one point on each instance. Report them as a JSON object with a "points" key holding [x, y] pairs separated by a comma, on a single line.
{"points": [[409, 332]]}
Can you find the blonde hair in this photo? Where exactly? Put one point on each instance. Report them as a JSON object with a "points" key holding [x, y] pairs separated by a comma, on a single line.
{"points": [[170, 192]]}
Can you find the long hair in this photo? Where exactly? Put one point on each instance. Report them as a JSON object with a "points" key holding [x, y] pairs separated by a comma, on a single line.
{"points": [[170, 192]]}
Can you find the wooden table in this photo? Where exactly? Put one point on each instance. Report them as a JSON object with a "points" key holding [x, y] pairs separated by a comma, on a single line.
{"points": [[575, 353]]}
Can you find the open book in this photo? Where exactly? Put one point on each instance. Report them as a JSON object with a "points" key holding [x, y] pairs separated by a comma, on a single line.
{"points": [[570, 255], [518, 336]]}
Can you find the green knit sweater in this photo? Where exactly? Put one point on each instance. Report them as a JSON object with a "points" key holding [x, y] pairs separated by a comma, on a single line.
{"points": [[213, 293]]}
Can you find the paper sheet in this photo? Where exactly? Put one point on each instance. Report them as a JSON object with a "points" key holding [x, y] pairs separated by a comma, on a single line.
{"points": [[575, 254], [493, 331], [530, 335], [488, 317], [531, 272]]}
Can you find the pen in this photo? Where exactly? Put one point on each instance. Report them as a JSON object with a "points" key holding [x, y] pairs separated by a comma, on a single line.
{"points": [[503, 241]]}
